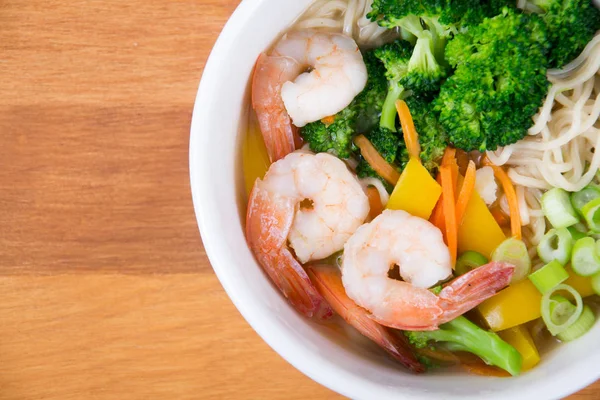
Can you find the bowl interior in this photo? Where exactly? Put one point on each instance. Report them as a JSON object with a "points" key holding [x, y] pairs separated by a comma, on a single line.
{"points": [[336, 357]]}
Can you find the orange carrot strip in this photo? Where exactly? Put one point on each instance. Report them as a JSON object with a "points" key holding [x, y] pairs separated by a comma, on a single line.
{"points": [[485, 370], [437, 216], [408, 130], [444, 356], [328, 120], [466, 192], [378, 163], [374, 202], [449, 156], [449, 211], [511, 196], [499, 216], [462, 159], [449, 159]]}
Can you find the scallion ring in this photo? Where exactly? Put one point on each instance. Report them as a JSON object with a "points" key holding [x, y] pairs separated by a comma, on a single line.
{"points": [[585, 261], [514, 251], [584, 196], [583, 324], [468, 261], [559, 313], [556, 244], [549, 276], [591, 213], [557, 207]]}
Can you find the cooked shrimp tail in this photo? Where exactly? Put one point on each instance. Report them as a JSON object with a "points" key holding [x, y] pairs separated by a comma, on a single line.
{"points": [[283, 93], [267, 225], [329, 283], [280, 136], [417, 248], [469, 290]]}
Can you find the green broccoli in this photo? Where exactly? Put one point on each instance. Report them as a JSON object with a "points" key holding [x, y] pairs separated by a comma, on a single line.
{"points": [[386, 143], [499, 82], [461, 334], [369, 102], [431, 22], [360, 116], [395, 57], [443, 16], [571, 25], [336, 137]]}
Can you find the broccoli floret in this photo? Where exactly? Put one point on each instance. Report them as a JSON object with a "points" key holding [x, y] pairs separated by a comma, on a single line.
{"points": [[443, 17], [408, 69], [395, 57], [335, 137], [571, 25], [425, 72], [386, 143], [461, 334], [431, 22], [361, 115], [499, 82], [432, 136], [369, 102]]}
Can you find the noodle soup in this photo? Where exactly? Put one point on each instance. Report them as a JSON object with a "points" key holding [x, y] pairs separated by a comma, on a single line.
{"points": [[425, 177]]}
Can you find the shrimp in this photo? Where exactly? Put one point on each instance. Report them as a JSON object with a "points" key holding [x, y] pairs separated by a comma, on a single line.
{"points": [[417, 247], [314, 203], [337, 74], [329, 283]]}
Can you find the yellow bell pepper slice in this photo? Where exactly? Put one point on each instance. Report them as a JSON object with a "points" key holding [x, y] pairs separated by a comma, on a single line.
{"points": [[520, 338], [479, 230], [515, 305], [521, 302], [255, 158], [416, 192], [583, 284]]}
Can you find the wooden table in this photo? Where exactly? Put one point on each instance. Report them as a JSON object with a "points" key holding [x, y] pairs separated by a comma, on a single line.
{"points": [[106, 291]]}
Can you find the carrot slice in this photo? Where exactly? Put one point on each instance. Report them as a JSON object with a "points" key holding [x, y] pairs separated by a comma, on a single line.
{"points": [[437, 216], [466, 192], [444, 356], [328, 120], [485, 370], [449, 211], [462, 159], [449, 159], [378, 163], [449, 156], [499, 216], [374, 202], [511, 196], [408, 130]]}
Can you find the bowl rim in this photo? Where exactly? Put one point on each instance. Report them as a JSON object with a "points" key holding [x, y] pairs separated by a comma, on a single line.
{"points": [[330, 375]]}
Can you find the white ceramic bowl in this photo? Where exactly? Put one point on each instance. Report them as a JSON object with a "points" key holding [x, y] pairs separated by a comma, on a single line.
{"points": [[325, 355]]}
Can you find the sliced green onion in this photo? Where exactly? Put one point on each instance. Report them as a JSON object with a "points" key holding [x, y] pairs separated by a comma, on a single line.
{"points": [[596, 283], [585, 261], [549, 276], [591, 213], [583, 324], [514, 251], [468, 261], [578, 231], [556, 245], [584, 196], [558, 209], [559, 313]]}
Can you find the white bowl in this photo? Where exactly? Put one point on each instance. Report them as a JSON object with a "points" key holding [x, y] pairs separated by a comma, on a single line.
{"points": [[349, 367]]}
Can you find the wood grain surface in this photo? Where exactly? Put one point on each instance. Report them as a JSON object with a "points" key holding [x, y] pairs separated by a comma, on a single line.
{"points": [[106, 291]]}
